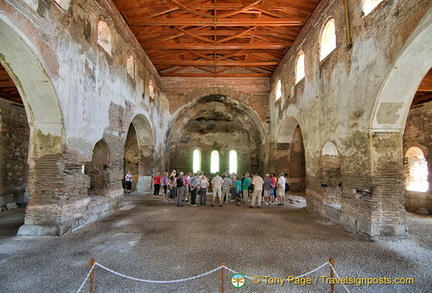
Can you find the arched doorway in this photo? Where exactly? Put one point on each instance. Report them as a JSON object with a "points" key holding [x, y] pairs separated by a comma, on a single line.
{"points": [[139, 154], [97, 169], [289, 156], [216, 122], [29, 74], [387, 126]]}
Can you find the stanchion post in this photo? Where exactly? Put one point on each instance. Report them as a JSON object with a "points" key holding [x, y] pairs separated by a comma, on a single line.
{"points": [[332, 263], [91, 281], [223, 277]]}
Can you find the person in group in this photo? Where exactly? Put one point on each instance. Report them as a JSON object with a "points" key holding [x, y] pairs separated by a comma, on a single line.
{"points": [[217, 189], [233, 191], [281, 189], [245, 188], [257, 183], [194, 184], [156, 185], [186, 180], [273, 193], [128, 182], [238, 190], [204, 183], [172, 186], [226, 186], [267, 189], [165, 182], [181, 189]]}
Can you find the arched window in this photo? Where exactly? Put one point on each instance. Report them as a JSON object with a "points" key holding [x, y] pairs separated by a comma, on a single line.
{"points": [[300, 67], [214, 162], [151, 88], [328, 39], [130, 66], [104, 36], [233, 161], [278, 91], [196, 166], [369, 5], [417, 170], [65, 4]]}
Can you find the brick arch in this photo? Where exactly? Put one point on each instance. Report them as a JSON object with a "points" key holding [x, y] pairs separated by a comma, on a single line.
{"points": [[30, 75], [417, 145], [395, 97]]}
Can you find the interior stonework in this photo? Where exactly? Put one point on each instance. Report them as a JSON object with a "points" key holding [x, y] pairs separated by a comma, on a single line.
{"points": [[97, 106]]}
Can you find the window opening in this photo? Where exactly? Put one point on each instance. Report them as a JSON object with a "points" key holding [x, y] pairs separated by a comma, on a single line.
{"points": [[233, 162], [300, 67], [196, 165], [417, 177], [328, 39], [278, 92], [214, 162]]}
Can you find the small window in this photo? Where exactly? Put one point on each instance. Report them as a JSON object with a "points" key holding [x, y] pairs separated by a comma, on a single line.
{"points": [[130, 66], [278, 91], [151, 89], [233, 162], [196, 161], [300, 67], [104, 36], [214, 162], [417, 170], [328, 39], [369, 5]]}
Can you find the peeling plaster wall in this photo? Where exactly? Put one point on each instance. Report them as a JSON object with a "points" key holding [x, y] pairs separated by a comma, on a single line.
{"points": [[335, 102], [97, 96]]}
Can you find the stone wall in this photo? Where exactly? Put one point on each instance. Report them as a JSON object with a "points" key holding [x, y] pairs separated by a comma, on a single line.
{"points": [[335, 102], [14, 146]]}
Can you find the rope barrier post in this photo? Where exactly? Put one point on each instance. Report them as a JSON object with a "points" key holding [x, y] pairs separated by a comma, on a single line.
{"points": [[91, 281], [223, 277], [332, 263]]}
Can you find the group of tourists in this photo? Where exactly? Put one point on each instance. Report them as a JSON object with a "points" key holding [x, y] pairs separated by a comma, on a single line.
{"points": [[179, 187]]}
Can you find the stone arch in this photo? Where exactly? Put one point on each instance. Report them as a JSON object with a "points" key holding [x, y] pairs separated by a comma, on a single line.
{"points": [[290, 154], [139, 153], [97, 169], [330, 173], [219, 106], [23, 64], [28, 69], [387, 123], [396, 95]]}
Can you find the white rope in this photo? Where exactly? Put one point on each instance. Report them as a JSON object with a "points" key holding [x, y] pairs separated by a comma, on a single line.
{"points": [[86, 278], [339, 278], [313, 271], [156, 281], [301, 276]]}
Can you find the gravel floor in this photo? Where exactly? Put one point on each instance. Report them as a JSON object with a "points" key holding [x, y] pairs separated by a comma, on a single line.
{"points": [[149, 239]]}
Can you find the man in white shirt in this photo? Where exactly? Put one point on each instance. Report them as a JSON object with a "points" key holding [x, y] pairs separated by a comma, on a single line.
{"points": [[257, 182], [281, 189], [217, 189]]}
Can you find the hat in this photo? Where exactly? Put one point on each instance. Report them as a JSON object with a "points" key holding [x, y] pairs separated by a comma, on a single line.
{"points": [[267, 175]]}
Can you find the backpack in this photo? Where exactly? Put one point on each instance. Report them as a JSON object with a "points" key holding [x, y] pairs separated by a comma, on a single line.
{"points": [[180, 182]]}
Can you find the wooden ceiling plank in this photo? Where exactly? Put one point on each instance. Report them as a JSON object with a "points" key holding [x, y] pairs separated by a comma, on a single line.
{"points": [[193, 11], [195, 35], [232, 46], [217, 22], [236, 36], [213, 62], [164, 12], [242, 10]]}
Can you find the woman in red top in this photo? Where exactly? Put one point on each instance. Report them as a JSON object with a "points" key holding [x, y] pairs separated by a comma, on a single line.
{"points": [[156, 184]]}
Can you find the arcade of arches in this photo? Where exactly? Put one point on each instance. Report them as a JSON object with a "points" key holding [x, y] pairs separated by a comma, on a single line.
{"points": [[82, 102]]}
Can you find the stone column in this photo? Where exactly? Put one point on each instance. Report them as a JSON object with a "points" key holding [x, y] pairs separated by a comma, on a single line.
{"points": [[388, 215]]}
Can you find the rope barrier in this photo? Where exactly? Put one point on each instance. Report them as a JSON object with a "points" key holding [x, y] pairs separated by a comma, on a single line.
{"points": [[86, 278], [337, 275], [189, 278]]}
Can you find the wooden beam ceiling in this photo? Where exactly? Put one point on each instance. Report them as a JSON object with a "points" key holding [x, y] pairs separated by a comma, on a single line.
{"points": [[183, 37]]}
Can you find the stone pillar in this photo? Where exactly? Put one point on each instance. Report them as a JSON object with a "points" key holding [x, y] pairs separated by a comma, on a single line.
{"points": [[388, 215]]}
